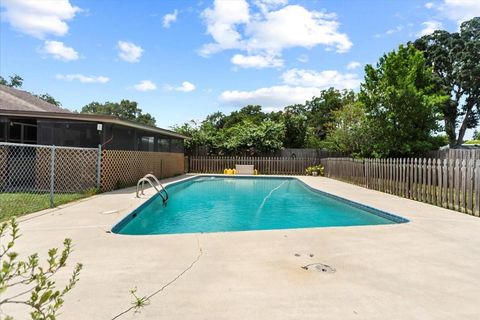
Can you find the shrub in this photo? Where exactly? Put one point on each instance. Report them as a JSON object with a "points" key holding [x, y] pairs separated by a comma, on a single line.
{"points": [[315, 170], [32, 284]]}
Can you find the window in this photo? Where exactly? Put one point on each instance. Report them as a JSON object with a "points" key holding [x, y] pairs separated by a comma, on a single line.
{"points": [[23, 131], [3, 130], [163, 145], [146, 144], [177, 145], [68, 133]]}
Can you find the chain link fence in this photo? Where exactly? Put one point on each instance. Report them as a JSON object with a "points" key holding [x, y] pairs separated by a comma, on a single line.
{"points": [[35, 177]]}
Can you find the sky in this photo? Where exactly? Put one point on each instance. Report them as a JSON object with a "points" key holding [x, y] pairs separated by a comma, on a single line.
{"points": [[182, 60]]}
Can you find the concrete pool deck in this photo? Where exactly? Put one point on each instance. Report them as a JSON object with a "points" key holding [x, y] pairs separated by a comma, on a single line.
{"points": [[425, 269]]}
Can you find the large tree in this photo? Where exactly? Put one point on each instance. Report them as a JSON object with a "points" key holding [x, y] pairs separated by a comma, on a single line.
{"points": [[48, 98], [320, 109], [455, 60], [252, 113], [15, 81], [125, 109], [350, 133], [401, 100], [295, 119], [250, 139]]}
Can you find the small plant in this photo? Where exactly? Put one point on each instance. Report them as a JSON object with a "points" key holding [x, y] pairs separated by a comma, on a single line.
{"points": [[31, 283], [317, 170], [91, 192]]}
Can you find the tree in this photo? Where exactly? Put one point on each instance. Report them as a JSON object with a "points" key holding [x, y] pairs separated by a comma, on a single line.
{"points": [[48, 98], [252, 113], [126, 109], [15, 81], [350, 133], [32, 284], [401, 100], [248, 138], [295, 120], [476, 135], [320, 109], [454, 58]]}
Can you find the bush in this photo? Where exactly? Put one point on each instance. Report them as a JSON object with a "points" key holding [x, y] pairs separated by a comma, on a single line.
{"points": [[317, 170], [32, 284]]}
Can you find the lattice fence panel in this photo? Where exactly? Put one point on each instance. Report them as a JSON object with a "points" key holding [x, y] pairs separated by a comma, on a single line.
{"points": [[124, 168], [75, 169]]}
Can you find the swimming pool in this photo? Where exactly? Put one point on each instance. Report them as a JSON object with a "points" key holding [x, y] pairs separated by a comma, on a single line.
{"points": [[219, 203]]}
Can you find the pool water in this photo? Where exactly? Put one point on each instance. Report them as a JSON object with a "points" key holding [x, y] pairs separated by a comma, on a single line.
{"points": [[216, 204]]}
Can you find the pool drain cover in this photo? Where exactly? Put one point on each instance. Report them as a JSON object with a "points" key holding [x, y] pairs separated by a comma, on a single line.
{"points": [[320, 267]]}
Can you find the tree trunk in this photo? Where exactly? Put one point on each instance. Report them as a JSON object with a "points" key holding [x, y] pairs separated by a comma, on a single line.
{"points": [[464, 126], [450, 131], [450, 114]]}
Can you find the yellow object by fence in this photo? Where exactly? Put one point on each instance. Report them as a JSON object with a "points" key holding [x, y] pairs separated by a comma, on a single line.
{"points": [[229, 171]]}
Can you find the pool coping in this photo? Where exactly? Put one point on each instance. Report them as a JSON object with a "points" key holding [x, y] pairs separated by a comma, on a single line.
{"points": [[396, 219]]}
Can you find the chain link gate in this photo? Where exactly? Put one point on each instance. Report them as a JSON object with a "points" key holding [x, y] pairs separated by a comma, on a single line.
{"points": [[35, 177]]}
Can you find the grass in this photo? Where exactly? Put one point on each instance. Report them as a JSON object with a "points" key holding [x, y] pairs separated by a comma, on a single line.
{"points": [[19, 204], [473, 142]]}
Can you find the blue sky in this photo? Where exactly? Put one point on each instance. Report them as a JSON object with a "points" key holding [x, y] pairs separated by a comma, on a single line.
{"points": [[181, 60]]}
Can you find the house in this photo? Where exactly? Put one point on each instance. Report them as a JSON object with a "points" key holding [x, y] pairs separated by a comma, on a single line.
{"points": [[27, 119]]}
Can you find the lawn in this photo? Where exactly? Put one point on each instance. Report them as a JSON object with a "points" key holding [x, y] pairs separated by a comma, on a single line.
{"points": [[18, 204]]}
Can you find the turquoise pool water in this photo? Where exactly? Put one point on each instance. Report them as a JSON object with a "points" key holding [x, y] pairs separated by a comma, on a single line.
{"points": [[215, 204]]}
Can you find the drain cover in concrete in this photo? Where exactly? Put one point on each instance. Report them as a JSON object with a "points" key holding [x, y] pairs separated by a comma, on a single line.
{"points": [[320, 267]]}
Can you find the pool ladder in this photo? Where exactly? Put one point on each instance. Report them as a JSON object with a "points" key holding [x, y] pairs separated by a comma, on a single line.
{"points": [[148, 178]]}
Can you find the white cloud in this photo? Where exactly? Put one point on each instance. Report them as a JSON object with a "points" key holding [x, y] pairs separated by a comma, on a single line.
{"points": [[129, 51], [429, 27], [459, 10], [185, 87], [59, 51], [394, 30], [82, 78], [391, 31], [145, 85], [267, 5], [429, 5], [256, 61], [169, 18], [39, 18], [353, 65], [232, 25], [298, 86], [303, 58], [295, 26], [321, 80], [222, 21], [271, 97]]}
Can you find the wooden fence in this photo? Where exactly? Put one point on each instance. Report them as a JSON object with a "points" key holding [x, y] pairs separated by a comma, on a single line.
{"points": [[448, 183], [308, 153], [264, 165], [466, 154]]}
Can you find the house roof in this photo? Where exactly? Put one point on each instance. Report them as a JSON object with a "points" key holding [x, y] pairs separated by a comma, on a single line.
{"points": [[18, 103], [19, 100]]}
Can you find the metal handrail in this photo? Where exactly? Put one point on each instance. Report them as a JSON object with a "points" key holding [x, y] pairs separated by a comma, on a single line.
{"points": [[149, 175], [147, 178]]}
